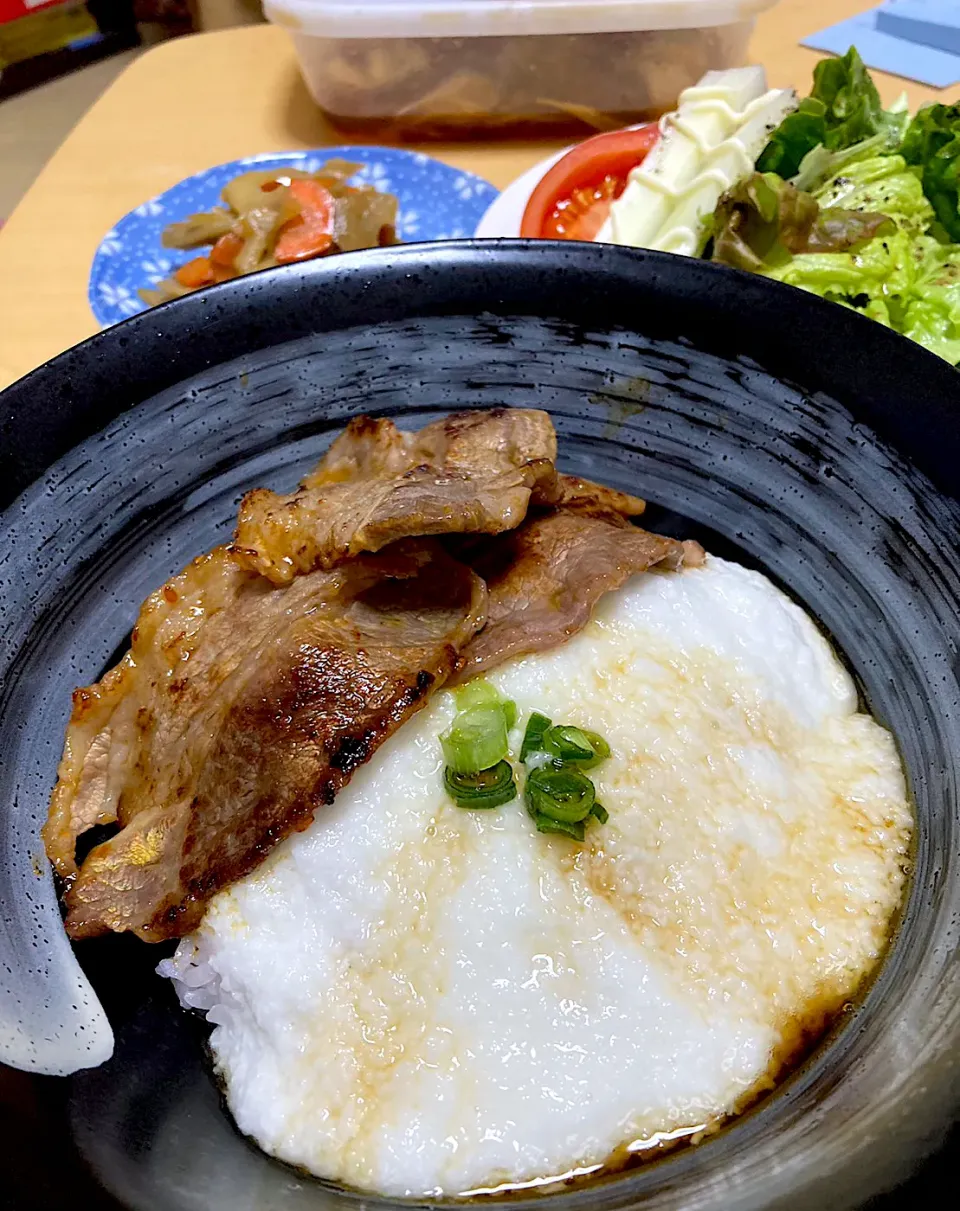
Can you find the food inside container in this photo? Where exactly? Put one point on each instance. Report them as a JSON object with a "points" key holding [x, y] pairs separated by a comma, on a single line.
{"points": [[434, 68]]}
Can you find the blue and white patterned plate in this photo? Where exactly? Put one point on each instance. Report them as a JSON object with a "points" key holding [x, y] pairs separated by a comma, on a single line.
{"points": [[437, 202]]}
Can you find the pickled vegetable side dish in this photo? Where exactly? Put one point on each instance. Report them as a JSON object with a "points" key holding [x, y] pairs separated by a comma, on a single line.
{"points": [[274, 217]]}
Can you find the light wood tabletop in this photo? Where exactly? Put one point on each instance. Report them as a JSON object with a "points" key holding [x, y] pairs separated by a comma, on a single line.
{"points": [[194, 102]]}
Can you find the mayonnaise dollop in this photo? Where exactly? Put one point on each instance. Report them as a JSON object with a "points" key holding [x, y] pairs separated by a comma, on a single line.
{"points": [[706, 145]]}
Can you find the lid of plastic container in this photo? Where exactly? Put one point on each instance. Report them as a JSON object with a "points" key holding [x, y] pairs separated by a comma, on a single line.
{"points": [[503, 18]]}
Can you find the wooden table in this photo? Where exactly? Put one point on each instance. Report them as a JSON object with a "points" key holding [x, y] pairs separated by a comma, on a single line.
{"points": [[198, 101]]}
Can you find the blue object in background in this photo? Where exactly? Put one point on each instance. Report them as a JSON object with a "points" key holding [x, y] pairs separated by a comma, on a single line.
{"points": [[885, 52], [930, 22], [436, 202]]}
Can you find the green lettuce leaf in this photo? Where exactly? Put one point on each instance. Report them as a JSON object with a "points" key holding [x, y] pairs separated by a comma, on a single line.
{"points": [[763, 221], [797, 134], [879, 271], [932, 313], [818, 165], [880, 183], [843, 109], [932, 143], [910, 283], [821, 163]]}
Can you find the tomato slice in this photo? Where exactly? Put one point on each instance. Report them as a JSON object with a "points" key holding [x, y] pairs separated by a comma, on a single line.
{"points": [[573, 198]]}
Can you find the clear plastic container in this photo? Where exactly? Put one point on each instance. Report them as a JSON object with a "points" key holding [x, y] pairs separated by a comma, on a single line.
{"points": [[435, 68]]}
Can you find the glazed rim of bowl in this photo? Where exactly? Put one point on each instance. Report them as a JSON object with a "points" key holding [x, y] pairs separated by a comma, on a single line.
{"points": [[884, 1088]]}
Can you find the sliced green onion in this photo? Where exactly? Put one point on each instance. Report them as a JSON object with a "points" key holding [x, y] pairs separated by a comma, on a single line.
{"points": [[568, 827], [478, 692], [561, 794], [481, 693], [600, 812], [601, 750], [537, 725], [568, 743], [488, 788], [576, 744], [476, 740]]}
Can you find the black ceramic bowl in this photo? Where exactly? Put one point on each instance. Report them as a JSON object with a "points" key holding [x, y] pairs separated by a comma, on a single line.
{"points": [[781, 430]]}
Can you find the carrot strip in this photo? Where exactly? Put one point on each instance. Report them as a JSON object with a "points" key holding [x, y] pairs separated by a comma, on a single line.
{"points": [[195, 273], [310, 233], [226, 250]]}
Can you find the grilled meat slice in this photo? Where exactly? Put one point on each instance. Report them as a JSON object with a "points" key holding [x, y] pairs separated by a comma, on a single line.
{"points": [[472, 472], [240, 710], [545, 578]]}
